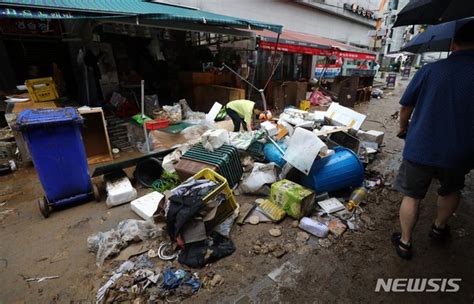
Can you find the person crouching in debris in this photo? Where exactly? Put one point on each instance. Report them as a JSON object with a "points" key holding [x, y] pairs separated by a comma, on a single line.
{"points": [[439, 138], [241, 111]]}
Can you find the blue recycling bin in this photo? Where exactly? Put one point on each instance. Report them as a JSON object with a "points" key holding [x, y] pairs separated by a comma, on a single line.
{"points": [[54, 139]]}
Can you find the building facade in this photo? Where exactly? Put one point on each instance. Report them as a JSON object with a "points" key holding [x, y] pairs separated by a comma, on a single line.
{"points": [[397, 36], [347, 21]]}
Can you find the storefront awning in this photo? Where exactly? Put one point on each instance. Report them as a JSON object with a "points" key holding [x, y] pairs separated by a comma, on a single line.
{"points": [[301, 43], [142, 9]]}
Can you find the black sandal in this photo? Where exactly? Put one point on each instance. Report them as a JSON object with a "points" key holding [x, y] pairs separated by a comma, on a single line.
{"points": [[439, 234], [403, 250]]}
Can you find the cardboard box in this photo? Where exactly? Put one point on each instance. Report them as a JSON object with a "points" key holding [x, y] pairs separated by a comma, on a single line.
{"points": [[337, 227], [204, 96], [95, 136], [296, 200]]}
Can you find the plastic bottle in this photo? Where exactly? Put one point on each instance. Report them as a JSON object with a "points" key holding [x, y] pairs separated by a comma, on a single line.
{"points": [[314, 227], [358, 195]]}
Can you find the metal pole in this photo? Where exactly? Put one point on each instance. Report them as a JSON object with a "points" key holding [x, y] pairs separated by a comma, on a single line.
{"points": [[275, 144], [261, 91], [143, 116], [238, 75], [264, 100], [273, 72]]}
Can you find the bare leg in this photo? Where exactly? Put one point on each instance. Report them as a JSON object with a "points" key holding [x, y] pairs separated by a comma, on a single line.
{"points": [[408, 217], [446, 207]]}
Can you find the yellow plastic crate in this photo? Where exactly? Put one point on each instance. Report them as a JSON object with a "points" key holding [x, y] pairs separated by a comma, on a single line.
{"points": [[226, 208], [42, 89]]}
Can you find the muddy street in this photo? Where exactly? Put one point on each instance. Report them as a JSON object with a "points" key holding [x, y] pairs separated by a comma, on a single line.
{"points": [[342, 270]]}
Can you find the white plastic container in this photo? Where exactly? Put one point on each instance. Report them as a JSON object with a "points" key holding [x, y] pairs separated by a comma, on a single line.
{"points": [[315, 228], [147, 205], [270, 128], [119, 191]]}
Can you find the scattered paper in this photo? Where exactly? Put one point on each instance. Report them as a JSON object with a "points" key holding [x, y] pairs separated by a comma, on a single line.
{"points": [[307, 141]]}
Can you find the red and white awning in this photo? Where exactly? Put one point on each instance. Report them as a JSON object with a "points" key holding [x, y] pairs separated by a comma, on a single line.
{"points": [[301, 43]]}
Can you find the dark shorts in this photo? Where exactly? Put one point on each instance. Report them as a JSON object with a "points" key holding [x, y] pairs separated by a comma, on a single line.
{"points": [[413, 179], [236, 119]]}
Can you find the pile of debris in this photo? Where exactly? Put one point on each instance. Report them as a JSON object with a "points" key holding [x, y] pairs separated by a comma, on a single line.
{"points": [[305, 165]]}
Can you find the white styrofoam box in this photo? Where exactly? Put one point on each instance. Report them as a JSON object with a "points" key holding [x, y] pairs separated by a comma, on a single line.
{"points": [[119, 191], [342, 116], [216, 107], [317, 116], [371, 135], [323, 129], [147, 205], [314, 227], [295, 111], [270, 128], [331, 205]]}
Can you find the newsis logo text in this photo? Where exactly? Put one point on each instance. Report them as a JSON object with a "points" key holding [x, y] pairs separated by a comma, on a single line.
{"points": [[418, 285]]}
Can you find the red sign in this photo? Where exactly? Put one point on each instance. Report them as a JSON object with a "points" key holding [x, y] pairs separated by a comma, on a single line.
{"points": [[30, 27], [354, 55], [290, 48]]}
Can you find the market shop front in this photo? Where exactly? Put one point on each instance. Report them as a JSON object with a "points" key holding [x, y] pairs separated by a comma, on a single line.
{"points": [[98, 54], [333, 64]]}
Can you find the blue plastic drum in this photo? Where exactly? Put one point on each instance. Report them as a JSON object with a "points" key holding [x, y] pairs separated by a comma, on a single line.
{"points": [[335, 172]]}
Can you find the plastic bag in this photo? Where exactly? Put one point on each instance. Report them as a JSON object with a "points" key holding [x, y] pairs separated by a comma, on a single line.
{"points": [[174, 113], [242, 140], [154, 141], [189, 115], [104, 244], [109, 243], [185, 107], [225, 227], [137, 230], [151, 104], [214, 139], [273, 154], [160, 114], [193, 134], [261, 174], [173, 158]]}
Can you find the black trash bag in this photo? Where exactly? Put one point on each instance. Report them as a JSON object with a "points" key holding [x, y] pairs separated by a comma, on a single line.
{"points": [[182, 209], [197, 255]]}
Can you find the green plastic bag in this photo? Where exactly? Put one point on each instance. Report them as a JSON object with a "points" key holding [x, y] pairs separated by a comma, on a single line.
{"points": [[139, 120], [221, 115]]}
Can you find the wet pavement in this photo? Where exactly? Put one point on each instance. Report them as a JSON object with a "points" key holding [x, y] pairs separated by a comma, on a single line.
{"points": [[345, 272]]}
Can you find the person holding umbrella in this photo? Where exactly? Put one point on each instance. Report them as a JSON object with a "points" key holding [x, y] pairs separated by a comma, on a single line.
{"points": [[439, 138]]}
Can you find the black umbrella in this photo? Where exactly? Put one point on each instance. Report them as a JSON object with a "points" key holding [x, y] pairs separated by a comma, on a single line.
{"points": [[436, 38], [434, 11]]}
